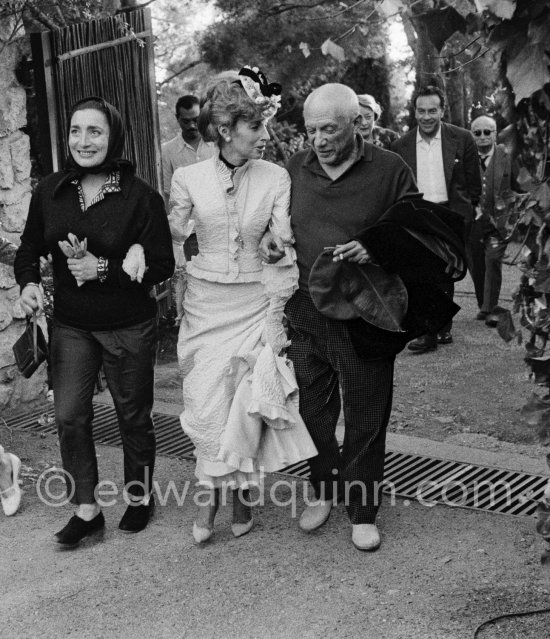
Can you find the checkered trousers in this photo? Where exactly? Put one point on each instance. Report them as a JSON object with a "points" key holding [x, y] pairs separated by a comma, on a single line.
{"points": [[325, 361]]}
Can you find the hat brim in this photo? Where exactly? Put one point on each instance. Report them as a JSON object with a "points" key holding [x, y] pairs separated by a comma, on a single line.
{"points": [[345, 290]]}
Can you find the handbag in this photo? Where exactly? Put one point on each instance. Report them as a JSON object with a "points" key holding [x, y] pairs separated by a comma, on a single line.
{"points": [[31, 349]]}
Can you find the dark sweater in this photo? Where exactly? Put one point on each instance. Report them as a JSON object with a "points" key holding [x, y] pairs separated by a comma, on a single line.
{"points": [[326, 212], [135, 215]]}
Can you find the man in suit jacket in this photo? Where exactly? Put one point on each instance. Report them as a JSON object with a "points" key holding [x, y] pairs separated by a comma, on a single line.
{"points": [[445, 161], [488, 237]]}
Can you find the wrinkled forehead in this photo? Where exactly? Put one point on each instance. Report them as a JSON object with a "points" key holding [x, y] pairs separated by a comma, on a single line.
{"points": [[319, 114], [484, 122]]}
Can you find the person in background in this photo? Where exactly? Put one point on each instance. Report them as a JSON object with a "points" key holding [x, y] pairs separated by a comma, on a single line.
{"points": [[445, 162], [97, 219], [10, 464], [232, 336], [488, 237], [370, 112], [184, 149]]}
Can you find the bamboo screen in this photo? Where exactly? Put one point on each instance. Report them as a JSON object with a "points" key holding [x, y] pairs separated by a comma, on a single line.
{"points": [[111, 58]]}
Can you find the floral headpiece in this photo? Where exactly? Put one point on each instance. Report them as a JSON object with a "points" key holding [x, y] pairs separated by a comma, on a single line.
{"points": [[264, 94]]}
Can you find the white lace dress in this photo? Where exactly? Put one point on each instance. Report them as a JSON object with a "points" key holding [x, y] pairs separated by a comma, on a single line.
{"points": [[239, 390]]}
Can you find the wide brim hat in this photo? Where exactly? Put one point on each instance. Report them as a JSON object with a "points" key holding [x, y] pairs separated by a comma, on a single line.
{"points": [[345, 290]]}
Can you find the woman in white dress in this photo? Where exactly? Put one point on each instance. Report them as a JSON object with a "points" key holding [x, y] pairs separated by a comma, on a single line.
{"points": [[239, 391]]}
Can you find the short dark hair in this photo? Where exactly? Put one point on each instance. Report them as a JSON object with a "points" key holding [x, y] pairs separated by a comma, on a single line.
{"points": [[430, 89], [186, 102]]}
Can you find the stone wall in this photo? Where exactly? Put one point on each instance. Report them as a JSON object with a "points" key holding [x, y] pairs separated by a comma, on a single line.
{"points": [[15, 192]]}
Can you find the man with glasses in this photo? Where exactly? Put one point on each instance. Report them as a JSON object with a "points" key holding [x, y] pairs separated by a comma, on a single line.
{"points": [[184, 149], [445, 162], [488, 237]]}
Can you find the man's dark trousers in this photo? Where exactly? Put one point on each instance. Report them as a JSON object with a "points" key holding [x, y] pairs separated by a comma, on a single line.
{"points": [[324, 360]]}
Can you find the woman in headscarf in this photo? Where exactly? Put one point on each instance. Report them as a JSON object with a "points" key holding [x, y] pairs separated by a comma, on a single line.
{"points": [[370, 112], [94, 218], [239, 392]]}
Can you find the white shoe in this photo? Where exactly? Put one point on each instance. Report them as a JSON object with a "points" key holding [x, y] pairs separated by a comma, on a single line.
{"points": [[11, 497], [365, 536], [315, 515]]}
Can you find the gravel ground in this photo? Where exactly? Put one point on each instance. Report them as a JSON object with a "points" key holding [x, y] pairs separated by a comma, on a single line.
{"points": [[440, 571]]}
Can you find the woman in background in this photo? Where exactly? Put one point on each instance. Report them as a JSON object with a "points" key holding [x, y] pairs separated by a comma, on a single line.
{"points": [[370, 112]]}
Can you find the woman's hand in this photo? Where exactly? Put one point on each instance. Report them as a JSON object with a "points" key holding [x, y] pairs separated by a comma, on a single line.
{"points": [[31, 299], [271, 248], [83, 268], [353, 251]]}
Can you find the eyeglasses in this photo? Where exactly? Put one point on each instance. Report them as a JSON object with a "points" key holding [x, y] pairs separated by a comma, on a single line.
{"points": [[483, 131]]}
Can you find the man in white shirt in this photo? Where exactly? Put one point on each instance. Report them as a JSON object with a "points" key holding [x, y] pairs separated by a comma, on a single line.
{"points": [[184, 149], [445, 161]]}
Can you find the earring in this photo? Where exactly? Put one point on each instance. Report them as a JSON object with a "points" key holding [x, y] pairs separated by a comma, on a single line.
{"points": [[228, 139]]}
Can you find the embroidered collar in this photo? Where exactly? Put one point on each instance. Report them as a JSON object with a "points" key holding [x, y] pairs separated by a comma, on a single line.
{"points": [[111, 185]]}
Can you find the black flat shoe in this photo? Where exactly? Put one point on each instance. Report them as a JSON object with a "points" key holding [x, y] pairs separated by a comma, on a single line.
{"points": [[445, 338], [137, 517], [77, 529]]}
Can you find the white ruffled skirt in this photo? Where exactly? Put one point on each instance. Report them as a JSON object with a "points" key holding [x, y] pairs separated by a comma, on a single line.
{"points": [[234, 386]]}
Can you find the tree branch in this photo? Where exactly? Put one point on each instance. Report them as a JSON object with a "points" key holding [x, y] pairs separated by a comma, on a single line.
{"points": [[460, 66], [454, 54], [41, 17], [174, 75], [277, 10], [339, 13]]}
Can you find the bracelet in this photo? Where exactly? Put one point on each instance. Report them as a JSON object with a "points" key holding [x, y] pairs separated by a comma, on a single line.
{"points": [[32, 284], [102, 269]]}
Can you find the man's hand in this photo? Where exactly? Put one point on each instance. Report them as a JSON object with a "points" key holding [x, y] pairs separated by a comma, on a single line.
{"points": [[31, 299], [271, 248], [84, 268], [353, 251]]}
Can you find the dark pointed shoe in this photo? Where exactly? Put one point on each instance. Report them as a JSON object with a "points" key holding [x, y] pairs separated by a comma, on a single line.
{"points": [[445, 338], [137, 516], [77, 529], [423, 344], [482, 315]]}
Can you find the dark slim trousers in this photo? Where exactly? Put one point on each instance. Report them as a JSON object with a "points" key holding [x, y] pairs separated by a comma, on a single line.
{"points": [[128, 359], [447, 286], [324, 361], [487, 251]]}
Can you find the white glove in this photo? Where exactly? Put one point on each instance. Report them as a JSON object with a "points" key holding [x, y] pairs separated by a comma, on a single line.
{"points": [[134, 263]]}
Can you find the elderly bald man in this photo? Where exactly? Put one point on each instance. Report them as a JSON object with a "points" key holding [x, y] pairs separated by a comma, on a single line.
{"points": [[339, 187], [488, 236]]}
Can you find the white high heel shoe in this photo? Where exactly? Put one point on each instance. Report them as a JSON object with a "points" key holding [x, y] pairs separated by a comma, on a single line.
{"points": [[11, 497]]}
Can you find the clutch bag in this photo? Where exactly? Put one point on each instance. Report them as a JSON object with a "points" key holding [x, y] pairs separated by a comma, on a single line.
{"points": [[31, 349]]}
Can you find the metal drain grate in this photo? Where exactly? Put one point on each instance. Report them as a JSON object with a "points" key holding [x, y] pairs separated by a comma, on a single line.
{"points": [[426, 479]]}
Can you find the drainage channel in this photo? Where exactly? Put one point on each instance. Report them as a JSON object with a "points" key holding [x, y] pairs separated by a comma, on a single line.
{"points": [[429, 480]]}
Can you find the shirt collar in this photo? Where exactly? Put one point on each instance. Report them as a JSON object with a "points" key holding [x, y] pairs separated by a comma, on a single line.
{"points": [[419, 138], [488, 155]]}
